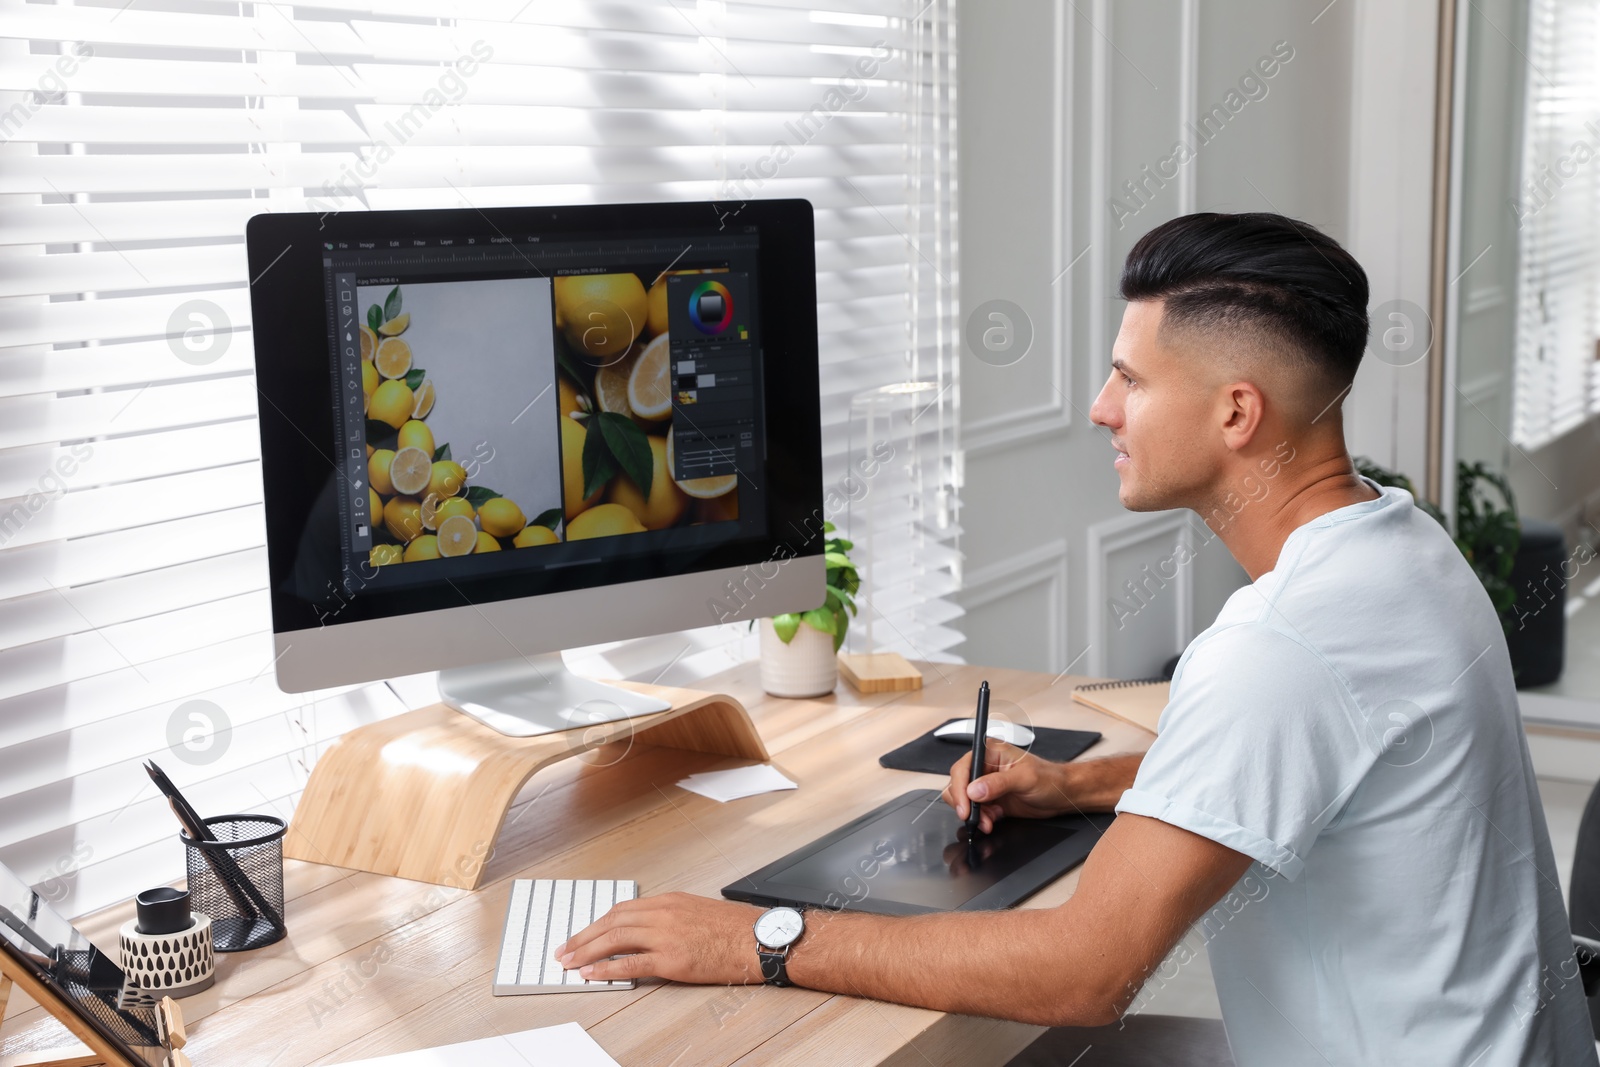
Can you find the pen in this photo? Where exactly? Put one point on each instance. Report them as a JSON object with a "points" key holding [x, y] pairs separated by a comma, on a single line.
{"points": [[980, 731]]}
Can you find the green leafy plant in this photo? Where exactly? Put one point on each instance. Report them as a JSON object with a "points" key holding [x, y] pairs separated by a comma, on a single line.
{"points": [[1487, 531], [833, 617]]}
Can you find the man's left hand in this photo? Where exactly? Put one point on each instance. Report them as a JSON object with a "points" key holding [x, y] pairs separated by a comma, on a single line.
{"points": [[677, 936]]}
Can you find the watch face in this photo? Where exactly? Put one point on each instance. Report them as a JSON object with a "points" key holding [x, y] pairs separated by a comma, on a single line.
{"points": [[778, 927]]}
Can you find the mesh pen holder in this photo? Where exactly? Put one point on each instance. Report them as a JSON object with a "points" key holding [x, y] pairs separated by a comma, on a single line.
{"points": [[237, 880]]}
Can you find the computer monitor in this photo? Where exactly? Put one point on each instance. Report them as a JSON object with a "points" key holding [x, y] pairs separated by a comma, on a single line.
{"points": [[489, 435]]}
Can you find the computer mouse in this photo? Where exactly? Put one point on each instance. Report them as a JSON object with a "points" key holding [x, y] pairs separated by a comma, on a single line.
{"points": [[960, 732]]}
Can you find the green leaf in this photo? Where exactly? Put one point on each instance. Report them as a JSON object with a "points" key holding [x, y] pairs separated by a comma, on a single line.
{"points": [[631, 448], [786, 626], [441, 453], [828, 527], [374, 318], [838, 637], [379, 432], [477, 494], [838, 559], [415, 377], [842, 596], [821, 619], [391, 304], [599, 466], [839, 544], [548, 519]]}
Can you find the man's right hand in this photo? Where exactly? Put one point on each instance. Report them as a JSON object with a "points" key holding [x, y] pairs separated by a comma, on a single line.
{"points": [[1014, 782]]}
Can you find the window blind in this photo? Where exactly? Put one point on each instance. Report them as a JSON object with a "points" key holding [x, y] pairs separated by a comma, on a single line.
{"points": [[1557, 376], [135, 142]]}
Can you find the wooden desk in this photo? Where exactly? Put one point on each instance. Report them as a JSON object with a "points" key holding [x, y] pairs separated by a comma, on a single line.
{"points": [[376, 965]]}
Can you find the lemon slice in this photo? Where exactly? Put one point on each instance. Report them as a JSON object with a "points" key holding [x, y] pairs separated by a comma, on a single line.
{"points": [[701, 488], [457, 536], [425, 397], [611, 384], [369, 343], [396, 326], [650, 381], [410, 471], [394, 358]]}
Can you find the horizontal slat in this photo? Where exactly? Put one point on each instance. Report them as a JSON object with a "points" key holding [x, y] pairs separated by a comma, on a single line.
{"points": [[106, 75], [43, 616], [55, 123], [32, 420], [134, 268], [42, 370], [123, 507], [36, 568], [129, 25], [104, 649], [127, 459], [101, 320]]}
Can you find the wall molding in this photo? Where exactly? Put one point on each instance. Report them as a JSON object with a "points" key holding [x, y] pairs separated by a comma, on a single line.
{"points": [[1113, 535], [1054, 415], [1044, 564]]}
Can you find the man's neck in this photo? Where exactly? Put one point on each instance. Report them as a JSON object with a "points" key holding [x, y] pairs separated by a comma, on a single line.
{"points": [[1256, 533]]}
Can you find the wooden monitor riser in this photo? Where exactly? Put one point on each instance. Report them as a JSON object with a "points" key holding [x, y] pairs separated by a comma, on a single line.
{"points": [[423, 795]]}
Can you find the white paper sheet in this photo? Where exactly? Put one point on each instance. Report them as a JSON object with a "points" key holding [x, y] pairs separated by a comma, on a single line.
{"points": [[736, 783], [567, 1045]]}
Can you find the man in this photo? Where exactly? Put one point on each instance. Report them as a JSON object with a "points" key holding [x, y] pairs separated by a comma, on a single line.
{"points": [[1341, 761]]}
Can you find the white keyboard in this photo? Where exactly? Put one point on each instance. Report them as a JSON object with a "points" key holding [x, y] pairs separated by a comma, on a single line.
{"points": [[542, 914]]}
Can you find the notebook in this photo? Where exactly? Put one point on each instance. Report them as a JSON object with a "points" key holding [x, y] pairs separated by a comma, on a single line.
{"points": [[1139, 702], [567, 1044]]}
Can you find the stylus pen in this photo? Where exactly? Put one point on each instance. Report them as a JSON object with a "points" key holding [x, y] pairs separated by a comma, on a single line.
{"points": [[980, 731]]}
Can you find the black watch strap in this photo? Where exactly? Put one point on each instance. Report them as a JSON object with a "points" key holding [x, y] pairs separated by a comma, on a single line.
{"points": [[774, 966]]}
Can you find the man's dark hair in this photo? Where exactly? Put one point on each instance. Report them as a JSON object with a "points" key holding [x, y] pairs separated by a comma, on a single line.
{"points": [[1282, 279]]}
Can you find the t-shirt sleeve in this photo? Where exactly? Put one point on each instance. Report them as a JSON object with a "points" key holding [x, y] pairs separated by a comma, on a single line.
{"points": [[1257, 748]]}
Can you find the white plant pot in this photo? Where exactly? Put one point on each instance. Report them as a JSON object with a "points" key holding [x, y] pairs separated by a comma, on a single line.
{"points": [[805, 667]]}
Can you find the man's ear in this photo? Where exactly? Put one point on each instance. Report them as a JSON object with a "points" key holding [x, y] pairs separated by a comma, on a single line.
{"points": [[1243, 409]]}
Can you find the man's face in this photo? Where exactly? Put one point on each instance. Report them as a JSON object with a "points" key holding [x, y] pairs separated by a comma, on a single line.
{"points": [[1160, 409]]}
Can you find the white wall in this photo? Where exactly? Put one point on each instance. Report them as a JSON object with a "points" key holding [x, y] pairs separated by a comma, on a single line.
{"points": [[1061, 102]]}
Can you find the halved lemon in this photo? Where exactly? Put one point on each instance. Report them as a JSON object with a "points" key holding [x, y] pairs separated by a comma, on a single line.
{"points": [[396, 326], [650, 381], [394, 358], [425, 397], [457, 536], [701, 488], [369, 342], [410, 471], [611, 384]]}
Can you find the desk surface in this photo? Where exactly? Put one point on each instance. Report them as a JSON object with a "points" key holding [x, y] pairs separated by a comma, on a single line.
{"points": [[376, 965]]}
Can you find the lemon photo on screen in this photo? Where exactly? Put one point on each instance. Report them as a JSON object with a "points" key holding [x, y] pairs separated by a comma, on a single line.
{"points": [[461, 447]]}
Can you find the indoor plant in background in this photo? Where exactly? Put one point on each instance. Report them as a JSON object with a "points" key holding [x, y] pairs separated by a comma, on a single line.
{"points": [[799, 649]]}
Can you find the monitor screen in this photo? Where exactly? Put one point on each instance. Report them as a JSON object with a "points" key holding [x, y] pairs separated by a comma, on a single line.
{"points": [[464, 407]]}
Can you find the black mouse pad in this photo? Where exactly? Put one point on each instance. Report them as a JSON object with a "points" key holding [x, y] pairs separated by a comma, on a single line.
{"points": [[930, 755]]}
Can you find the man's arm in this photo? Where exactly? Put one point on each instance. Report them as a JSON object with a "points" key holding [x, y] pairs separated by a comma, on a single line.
{"points": [[1079, 964]]}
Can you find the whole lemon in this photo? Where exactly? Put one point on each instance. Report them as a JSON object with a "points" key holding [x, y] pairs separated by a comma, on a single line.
{"points": [[392, 403], [667, 502], [501, 517], [374, 504], [486, 543], [601, 314], [604, 520], [573, 435], [403, 518], [529, 536], [568, 394], [369, 379], [448, 479], [378, 465], [383, 555], [658, 307], [415, 434], [424, 547], [434, 511]]}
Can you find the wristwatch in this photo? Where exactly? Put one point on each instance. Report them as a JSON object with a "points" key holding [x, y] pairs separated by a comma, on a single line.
{"points": [[777, 929]]}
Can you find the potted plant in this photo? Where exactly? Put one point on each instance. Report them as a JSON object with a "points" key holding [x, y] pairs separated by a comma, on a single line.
{"points": [[799, 649]]}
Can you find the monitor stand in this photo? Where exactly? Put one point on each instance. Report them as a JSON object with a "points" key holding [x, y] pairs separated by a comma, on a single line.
{"points": [[538, 695]]}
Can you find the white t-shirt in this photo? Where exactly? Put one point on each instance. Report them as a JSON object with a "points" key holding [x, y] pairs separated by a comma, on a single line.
{"points": [[1350, 723]]}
